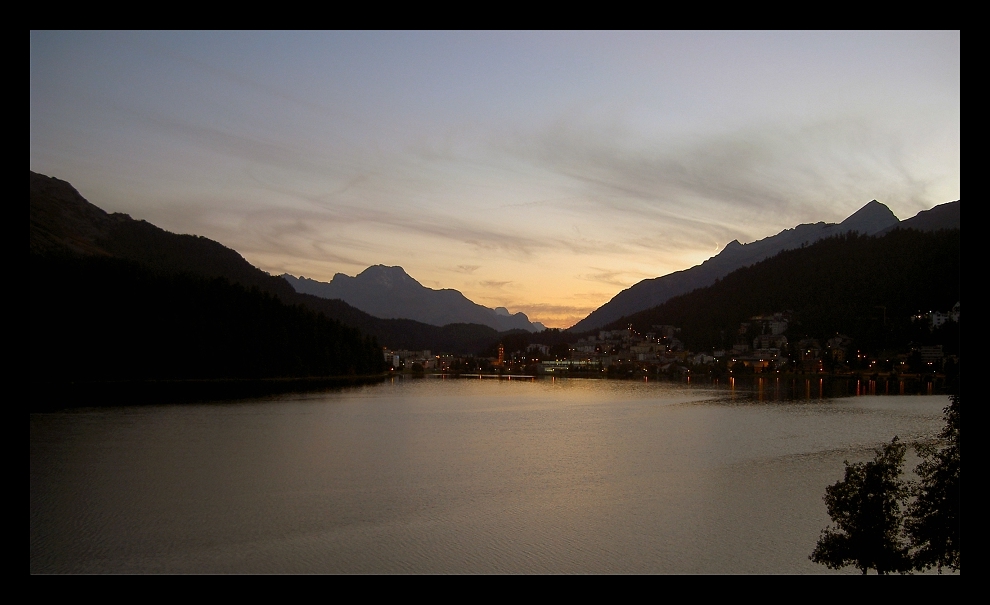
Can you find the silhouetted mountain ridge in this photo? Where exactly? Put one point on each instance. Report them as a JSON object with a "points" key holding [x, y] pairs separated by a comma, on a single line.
{"points": [[865, 287], [61, 219], [64, 223], [943, 216], [391, 293], [874, 218]]}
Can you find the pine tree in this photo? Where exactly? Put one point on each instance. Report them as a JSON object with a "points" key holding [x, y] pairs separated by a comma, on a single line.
{"points": [[866, 508], [932, 521]]}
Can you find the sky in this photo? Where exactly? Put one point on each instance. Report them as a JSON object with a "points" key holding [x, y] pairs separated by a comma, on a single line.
{"points": [[539, 171]]}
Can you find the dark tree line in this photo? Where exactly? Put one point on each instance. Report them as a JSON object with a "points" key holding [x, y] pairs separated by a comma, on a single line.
{"points": [[98, 318], [64, 223], [171, 253], [861, 286]]}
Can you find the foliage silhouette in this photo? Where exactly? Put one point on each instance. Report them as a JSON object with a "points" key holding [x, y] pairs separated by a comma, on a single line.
{"points": [[64, 224], [866, 508], [932, 520], [836, 285], [124, 321]]}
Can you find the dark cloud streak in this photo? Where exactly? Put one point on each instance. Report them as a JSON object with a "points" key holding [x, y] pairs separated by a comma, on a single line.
{"points": [[775, 169]]}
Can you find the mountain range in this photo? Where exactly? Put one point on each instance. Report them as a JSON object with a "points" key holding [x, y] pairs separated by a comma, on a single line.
{"points": [[869, 289], [63, 222], [389, 292], [872, 219]]}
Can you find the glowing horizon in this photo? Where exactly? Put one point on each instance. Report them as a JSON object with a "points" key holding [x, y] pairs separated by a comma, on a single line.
{"points": [[538, 171]]}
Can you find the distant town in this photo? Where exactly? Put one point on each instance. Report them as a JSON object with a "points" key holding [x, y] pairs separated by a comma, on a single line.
{"points": [[760, 346], [819, 299]]}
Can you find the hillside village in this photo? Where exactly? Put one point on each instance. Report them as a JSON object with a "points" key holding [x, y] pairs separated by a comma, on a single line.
{"points": [[855, 293], [759, 346]]}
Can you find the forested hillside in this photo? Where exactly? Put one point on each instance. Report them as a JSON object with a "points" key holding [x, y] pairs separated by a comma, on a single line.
{"points": [[64, 223], [864, 287], [97, 319]]}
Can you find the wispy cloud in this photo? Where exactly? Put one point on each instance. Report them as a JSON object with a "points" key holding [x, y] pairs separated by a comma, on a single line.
{"points": [[494, 284], [782, 171], [611, 278], [487, 163]]}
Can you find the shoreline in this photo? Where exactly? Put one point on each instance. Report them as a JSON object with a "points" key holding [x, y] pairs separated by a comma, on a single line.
{"points": [[54, 396]]}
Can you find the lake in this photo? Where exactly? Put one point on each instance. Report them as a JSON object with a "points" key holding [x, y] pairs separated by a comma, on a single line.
{"points": [[457, 476]]}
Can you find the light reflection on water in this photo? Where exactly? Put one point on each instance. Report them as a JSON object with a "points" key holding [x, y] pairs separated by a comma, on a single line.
{"points": [[456, 476]]}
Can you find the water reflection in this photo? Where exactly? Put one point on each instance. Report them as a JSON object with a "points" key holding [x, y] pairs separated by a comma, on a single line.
{"points": [[460, 476], [793, 388]]}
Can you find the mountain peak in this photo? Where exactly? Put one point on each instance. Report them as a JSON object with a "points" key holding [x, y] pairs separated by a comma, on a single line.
{"points": [[386, 276], [870, 219], [390, 292]]}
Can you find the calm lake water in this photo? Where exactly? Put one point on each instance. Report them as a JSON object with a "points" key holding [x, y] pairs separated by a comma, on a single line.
{"points": [[456, 476]]}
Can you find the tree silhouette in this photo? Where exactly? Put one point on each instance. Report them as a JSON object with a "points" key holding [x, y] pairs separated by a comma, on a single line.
{"points": [[932, 521], [866, 508]]}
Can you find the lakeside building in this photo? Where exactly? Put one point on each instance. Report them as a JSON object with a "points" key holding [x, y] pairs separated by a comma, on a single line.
{"points": [[405, 358], [551, 366], [761, 345]]}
